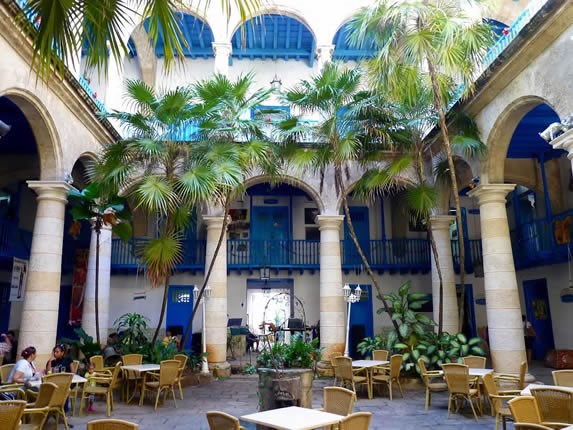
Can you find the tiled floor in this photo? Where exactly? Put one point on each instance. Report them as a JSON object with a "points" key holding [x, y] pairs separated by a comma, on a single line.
{"points": [[238, 396]]}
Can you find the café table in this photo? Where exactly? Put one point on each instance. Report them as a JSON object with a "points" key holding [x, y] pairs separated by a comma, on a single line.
{"points": [[293, 418], [527, 390], [369, 365], [76, 379], [473, 371], [140, 369]]}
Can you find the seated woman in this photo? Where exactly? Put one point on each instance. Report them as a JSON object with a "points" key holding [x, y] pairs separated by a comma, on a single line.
{"points": [[58, 362], [24, 370]]}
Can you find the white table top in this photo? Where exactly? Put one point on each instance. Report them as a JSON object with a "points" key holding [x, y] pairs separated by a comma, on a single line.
{"points": [[473, 371], [527, 390], [369, 363], [76, 379], [142, 367], [293, 418]]}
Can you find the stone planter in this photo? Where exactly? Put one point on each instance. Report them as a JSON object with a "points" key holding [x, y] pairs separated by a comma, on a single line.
{"points": [[286, 387]]}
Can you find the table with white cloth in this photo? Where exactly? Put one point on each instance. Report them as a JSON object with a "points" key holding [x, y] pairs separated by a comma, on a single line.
{"points": [[369, 365], [140, 369], [76, 379], [527, 390], [293, 418]]}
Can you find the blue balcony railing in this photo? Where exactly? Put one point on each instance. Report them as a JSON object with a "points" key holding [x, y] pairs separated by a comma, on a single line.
{"points": [[474, 256], [14, 242]]}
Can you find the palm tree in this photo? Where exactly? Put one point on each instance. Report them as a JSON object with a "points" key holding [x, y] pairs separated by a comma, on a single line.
{"points": [[62, 27], [432, 44], [349, 118], [228, 134], [102, 207]]}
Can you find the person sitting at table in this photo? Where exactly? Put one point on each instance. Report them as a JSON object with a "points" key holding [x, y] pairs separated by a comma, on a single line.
{"points": [[58, 362], [24, 370]]}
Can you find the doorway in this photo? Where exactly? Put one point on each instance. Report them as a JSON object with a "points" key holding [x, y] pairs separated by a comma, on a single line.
{"points": [[4, 306], [361, 224], [539, 315], [270, 228], [269, 301], [361, 319], [179, 309]]}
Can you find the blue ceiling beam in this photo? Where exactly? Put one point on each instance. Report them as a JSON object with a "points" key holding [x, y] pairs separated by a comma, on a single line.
{"points": [[345, 51]]}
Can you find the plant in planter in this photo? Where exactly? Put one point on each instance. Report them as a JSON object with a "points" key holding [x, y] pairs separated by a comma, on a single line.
{"points": [[84, 345], [286, 372], [369, 344], [131, 327]]}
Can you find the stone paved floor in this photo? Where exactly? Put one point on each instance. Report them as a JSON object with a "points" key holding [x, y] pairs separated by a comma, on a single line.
{"points": [[238, 396]]}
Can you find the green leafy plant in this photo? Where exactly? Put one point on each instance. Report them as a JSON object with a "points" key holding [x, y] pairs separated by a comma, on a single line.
{"points": [[159, 352], [250, 369], [132, 327], [369, 344], [84, 344], [297, 354]]}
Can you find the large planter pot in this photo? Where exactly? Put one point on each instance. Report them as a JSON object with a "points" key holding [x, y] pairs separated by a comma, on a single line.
{"points": [[285, 387]]}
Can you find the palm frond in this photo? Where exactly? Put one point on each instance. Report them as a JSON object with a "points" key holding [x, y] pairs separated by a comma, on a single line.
{"points": [[160, 256]]}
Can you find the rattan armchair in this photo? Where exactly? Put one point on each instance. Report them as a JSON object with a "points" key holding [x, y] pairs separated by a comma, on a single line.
{"points": [[380, 354], [391, 376], [36, 414], [110, 424], [182, 359], [130, 378], [338, 400], [458, 381], [563, 378], [165, 380], [5, 371], [524, 410], [348, 376], [14, 389], [63, 381], [497, 401], [509, 381], [333, 356], [474, 361], [555, 406], [10, 414], [356, 421], [530, 426], [433, 380], [104, 386], [221, 421]]}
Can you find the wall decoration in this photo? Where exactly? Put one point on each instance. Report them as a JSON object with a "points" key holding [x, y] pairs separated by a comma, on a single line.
{"points": [[19, 278]]}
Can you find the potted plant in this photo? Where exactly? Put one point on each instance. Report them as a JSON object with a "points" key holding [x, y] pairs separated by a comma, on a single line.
{"points": [[286, 372]]}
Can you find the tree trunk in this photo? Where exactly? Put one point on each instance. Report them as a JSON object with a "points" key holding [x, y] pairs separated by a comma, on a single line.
{"points": [[439, 270], [97, 229], [439, 105], [207, 275], [163, 309], [342, 189]]}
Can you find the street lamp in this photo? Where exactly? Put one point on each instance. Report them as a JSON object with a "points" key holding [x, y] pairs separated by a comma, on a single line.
{"points": [[206, 295], [350, 298]]}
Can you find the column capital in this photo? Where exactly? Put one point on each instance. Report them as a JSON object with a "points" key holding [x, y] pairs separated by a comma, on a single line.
{"points": [[324, 54], [222, 48], [442, 222], [491, 193], [329, 222], [215, 221], [565, 142], [50, 190]]}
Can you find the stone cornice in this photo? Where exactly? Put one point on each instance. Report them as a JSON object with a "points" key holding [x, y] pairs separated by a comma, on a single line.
{"points": [[565, 142], [67, 89]]}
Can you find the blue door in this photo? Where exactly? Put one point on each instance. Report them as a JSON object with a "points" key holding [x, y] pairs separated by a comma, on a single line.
{"points": [[361, 320], [361, 224], [539, 315], [4, 306], [179, 308], [270, 236]]}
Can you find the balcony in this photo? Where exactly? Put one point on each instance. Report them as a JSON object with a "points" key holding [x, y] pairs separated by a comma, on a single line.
{"points": [[474, 257]]}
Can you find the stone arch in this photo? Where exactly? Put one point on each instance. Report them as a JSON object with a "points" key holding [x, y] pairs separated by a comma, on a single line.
{"points": [[80, 169], [291, 180], [493, 166], [44, 130]]}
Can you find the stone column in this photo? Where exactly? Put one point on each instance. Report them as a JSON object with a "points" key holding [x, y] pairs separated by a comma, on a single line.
{"points": [[88, 315], [222, 53], [324, 54], [42, 298], [502, 298], [441, 233], [332, 305], [216, 305]]}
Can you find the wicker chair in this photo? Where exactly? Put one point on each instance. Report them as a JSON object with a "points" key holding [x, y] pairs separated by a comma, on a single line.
{"points": [[63, 381], [496, 400], [338, 400], [510, 381], [37, 413], [15, 389], [380, 354], [130, 378], [524, 410], [349, 376], [563, 378], [109, 424], [429, 378], [182, 359], [555, 406], [5, 371], [333, 356], [458, 381], [530, 426], [356, 421], [222, 421], [474, 361], [10, 414], [392, 375], [104, 386], [97, 361], [165, 380]]}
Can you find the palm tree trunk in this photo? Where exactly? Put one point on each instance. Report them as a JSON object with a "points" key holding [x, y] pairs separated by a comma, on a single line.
{"points": [[439, 271], [208, 274], [439, 105], [342, 190], [97, 229], [163, 309]]}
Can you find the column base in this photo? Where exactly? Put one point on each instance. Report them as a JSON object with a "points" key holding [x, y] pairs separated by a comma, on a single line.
{"points": [[324, 368], [220, 370]]}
